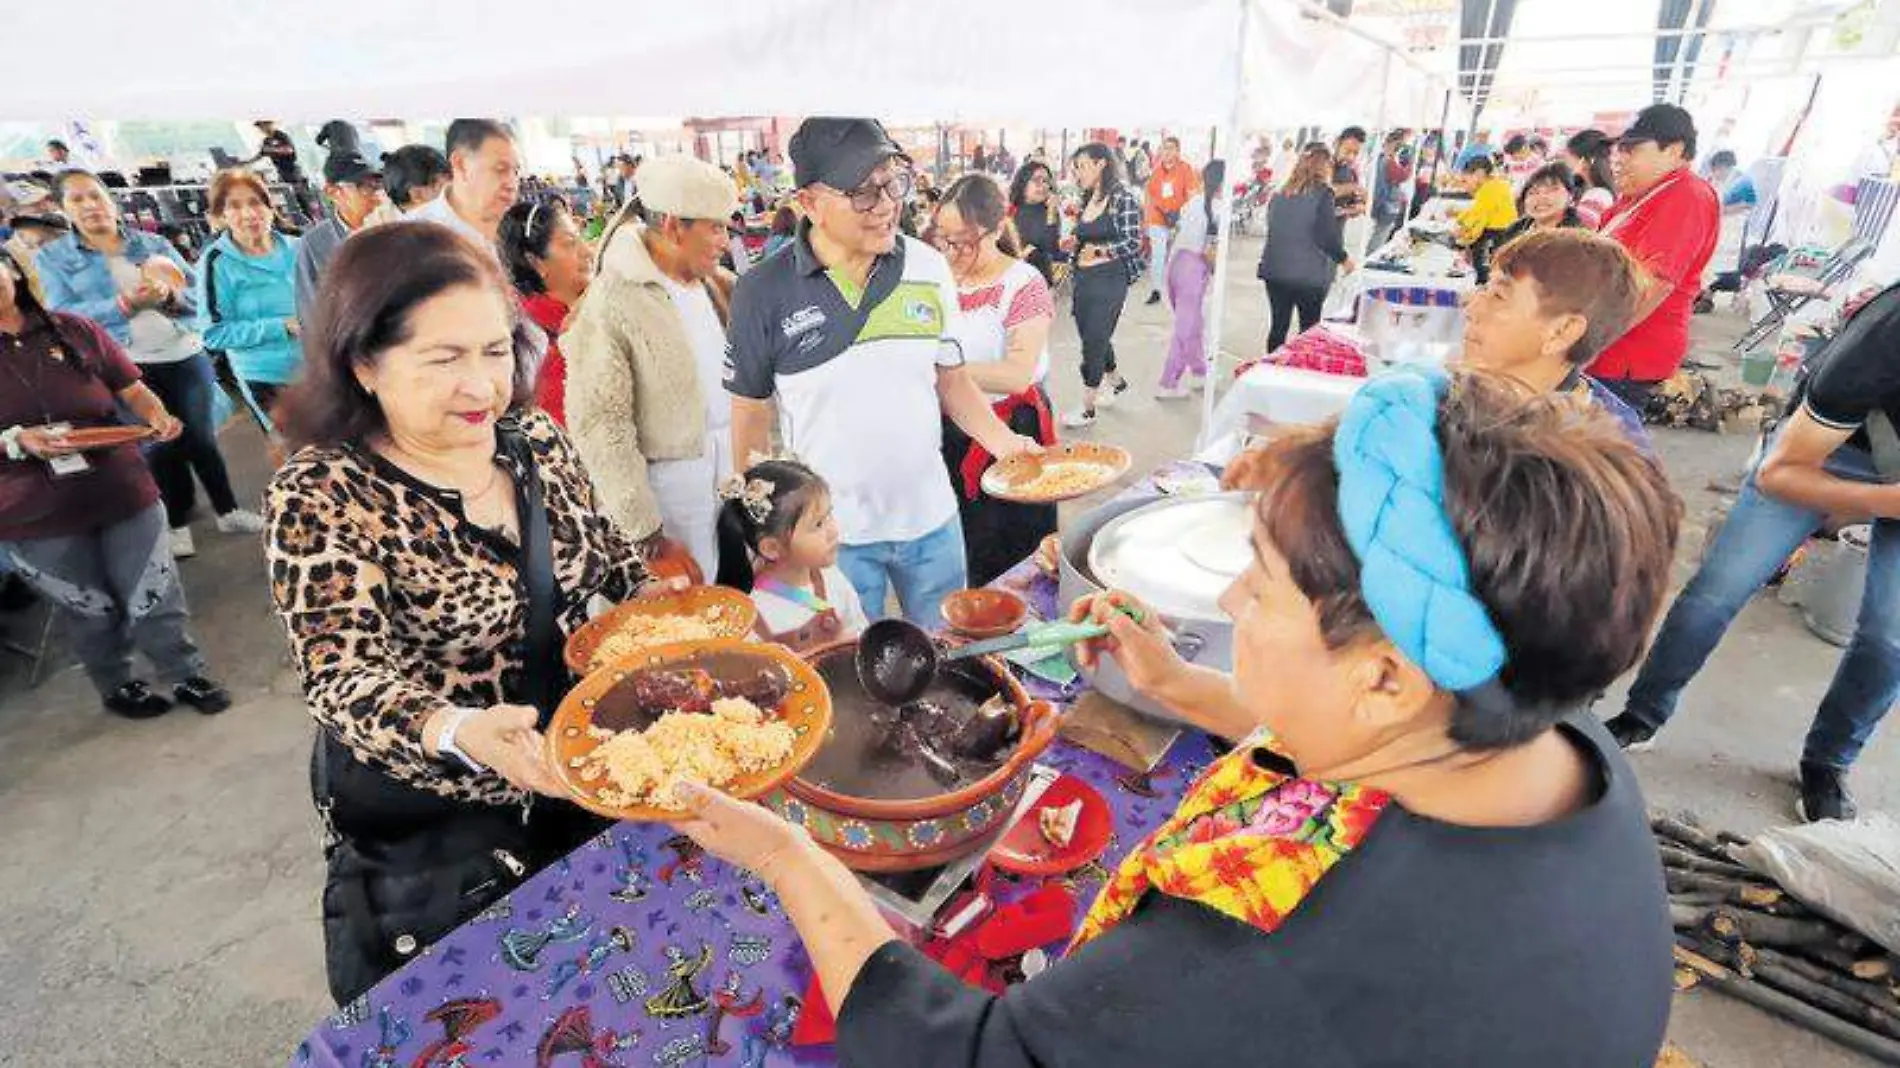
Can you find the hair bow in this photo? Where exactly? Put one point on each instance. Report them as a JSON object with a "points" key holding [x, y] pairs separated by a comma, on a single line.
{"points": [[755, 495]]}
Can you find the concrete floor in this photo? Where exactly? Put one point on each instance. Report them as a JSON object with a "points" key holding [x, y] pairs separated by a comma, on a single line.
{"points": [[160, 882]]}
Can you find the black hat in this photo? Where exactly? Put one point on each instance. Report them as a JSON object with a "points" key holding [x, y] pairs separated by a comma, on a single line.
{"points": [[46, 220], [840, 153], [1665, 124], [349, 167]]}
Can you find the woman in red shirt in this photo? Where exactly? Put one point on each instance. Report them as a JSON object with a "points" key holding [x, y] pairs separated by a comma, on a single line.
{"points": [[84, 527], [550, 264]]}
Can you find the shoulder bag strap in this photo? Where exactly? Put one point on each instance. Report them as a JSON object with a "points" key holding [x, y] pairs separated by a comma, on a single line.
{"points": [[544, 672], [1884, 442]]}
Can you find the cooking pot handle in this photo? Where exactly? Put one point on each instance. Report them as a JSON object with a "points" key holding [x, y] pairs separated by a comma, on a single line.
{"points": [[1041, 721], [1187, 643]]}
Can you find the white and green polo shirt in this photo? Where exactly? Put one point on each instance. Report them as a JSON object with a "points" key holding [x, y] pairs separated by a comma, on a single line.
{"points": [[855, 376]]}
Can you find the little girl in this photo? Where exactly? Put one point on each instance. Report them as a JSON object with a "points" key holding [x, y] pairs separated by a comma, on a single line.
{"points": [[778, 541]]}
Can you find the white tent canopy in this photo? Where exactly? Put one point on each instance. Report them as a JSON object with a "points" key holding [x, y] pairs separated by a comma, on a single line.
{"points": [[1104, 62]]}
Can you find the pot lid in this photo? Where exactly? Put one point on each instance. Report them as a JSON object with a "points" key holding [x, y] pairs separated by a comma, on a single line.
{"points": [[1179, 555]]}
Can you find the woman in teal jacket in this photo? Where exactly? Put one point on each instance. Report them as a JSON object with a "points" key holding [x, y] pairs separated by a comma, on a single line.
{"points": [[247, 305]]}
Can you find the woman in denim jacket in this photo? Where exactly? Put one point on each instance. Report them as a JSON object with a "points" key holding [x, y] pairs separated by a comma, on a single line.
{"points": [[135, 285]]}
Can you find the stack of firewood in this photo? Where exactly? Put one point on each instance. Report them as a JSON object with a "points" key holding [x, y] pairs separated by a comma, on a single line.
{"points": [[1739, 933]]}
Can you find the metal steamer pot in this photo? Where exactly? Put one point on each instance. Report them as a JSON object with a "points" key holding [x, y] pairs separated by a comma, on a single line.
{"points": [[1175, 553]]}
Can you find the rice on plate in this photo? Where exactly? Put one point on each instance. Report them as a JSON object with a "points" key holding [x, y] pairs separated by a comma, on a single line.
{"points": [[714, 748]]}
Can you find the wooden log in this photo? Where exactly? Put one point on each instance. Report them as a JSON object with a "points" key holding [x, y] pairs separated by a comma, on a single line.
{"points": [[1822, 996], [1696, 839], [1830, 954], [1789, 1008], [1872, 968], [1683, 860], [1687, 917], [1688, 882], [1733, 925], [1876, 995]]}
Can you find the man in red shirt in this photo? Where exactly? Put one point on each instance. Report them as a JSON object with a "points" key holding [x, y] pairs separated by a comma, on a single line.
{"points": [[1668, 219]]}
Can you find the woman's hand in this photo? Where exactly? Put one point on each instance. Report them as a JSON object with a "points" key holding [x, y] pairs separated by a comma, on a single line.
{"points": [[46, 442], [167, 426], [742, 832], [1143, 650], [148, 294], [503, 739], [1012, 444]]}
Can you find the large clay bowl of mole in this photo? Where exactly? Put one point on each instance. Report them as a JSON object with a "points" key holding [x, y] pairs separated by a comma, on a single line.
{"points": [[878, 811]]}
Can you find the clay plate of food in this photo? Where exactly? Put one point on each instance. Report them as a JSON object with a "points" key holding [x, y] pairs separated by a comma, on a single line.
{"points": [[1068, 827], [1061, 472], [697, 614], [106, 437], [741, 717]]}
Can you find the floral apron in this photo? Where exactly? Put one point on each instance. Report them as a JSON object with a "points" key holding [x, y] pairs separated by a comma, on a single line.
{"points": [[1246, 841]]}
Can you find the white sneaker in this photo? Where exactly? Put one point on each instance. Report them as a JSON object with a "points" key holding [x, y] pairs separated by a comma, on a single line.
{"points": [[240, 521], [1111, 392], [1078, 419], [181, 543], [1175, 392]]}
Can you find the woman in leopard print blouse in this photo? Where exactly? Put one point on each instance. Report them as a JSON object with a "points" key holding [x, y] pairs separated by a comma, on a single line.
{"points": [[396, 564]]}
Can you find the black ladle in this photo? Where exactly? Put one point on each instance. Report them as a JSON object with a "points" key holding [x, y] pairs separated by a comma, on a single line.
{"points": [[896, 660]]}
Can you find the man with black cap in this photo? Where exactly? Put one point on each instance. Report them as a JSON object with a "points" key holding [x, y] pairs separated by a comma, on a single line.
{"points": [[848, 331], [58, 154], [355, 188], [1669, 219]]}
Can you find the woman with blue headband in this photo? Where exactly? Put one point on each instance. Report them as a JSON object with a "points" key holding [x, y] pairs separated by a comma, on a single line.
{"points": [[1415, 854]]}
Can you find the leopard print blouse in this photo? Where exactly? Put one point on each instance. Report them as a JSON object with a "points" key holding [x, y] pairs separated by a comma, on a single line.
{"points": [[397, 605]]}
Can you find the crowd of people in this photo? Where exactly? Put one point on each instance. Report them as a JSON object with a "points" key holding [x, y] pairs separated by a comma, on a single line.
{"points": [[490, 424]]}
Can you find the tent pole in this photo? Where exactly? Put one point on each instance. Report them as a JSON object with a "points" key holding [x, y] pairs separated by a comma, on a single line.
{"points": [[1229, 141]]}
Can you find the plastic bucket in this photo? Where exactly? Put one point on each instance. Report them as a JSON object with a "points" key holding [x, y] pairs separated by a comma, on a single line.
{"points": [[1831, 603], [1758, 365]]}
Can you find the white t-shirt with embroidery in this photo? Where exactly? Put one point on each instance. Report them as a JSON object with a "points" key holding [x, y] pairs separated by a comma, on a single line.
{"points": [[782, 614], [991, 309]]}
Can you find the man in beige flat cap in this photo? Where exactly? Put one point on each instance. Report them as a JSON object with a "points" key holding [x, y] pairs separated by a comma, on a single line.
{"points": [[645, 353]]}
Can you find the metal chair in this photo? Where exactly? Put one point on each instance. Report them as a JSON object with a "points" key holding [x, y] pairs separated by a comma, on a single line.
{"points": [[1874, 202]]}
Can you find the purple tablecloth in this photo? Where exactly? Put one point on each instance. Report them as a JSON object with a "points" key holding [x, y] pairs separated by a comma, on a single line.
{"points": [[635, 950]]}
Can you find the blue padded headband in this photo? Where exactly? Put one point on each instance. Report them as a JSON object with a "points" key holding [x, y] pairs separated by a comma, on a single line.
{"points": [[1413, 573]]}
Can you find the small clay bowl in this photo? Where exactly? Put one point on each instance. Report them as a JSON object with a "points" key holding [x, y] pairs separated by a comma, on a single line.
{"points": [[984, 613]]}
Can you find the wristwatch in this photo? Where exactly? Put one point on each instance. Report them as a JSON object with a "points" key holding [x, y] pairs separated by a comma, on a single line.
{"points": [[445, 744]]}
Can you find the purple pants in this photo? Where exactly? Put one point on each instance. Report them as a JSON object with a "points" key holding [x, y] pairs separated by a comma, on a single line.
{"points": [[1188, 272]]}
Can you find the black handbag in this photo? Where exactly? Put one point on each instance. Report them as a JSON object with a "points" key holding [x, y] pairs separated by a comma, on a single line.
{"points": [[407, 866]]}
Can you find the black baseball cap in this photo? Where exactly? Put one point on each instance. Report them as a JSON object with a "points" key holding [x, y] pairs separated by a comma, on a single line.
{"points": [[349, 167], [1665, 124], [840, 153]]}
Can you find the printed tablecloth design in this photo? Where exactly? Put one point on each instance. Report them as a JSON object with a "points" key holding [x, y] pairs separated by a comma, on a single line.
{"points": [[638, 949]]}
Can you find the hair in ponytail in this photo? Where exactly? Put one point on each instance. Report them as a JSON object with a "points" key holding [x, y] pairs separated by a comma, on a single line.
{"points": [[765, 502]]}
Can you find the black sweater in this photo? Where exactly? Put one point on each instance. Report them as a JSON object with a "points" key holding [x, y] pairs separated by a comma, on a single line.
{"points": [[1430, 944]]}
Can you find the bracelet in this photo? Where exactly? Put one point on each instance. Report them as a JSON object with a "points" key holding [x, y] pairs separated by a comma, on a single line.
{"points": [[10, 439], [445, 742]]}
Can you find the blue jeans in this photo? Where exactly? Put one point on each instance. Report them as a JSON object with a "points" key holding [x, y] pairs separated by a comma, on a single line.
{"points": [[1753, 544], [924, 572]]}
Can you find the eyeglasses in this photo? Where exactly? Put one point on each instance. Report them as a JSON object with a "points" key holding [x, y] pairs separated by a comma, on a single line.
{"points": [[1631, 144], [866, 197], [962, 245]]}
